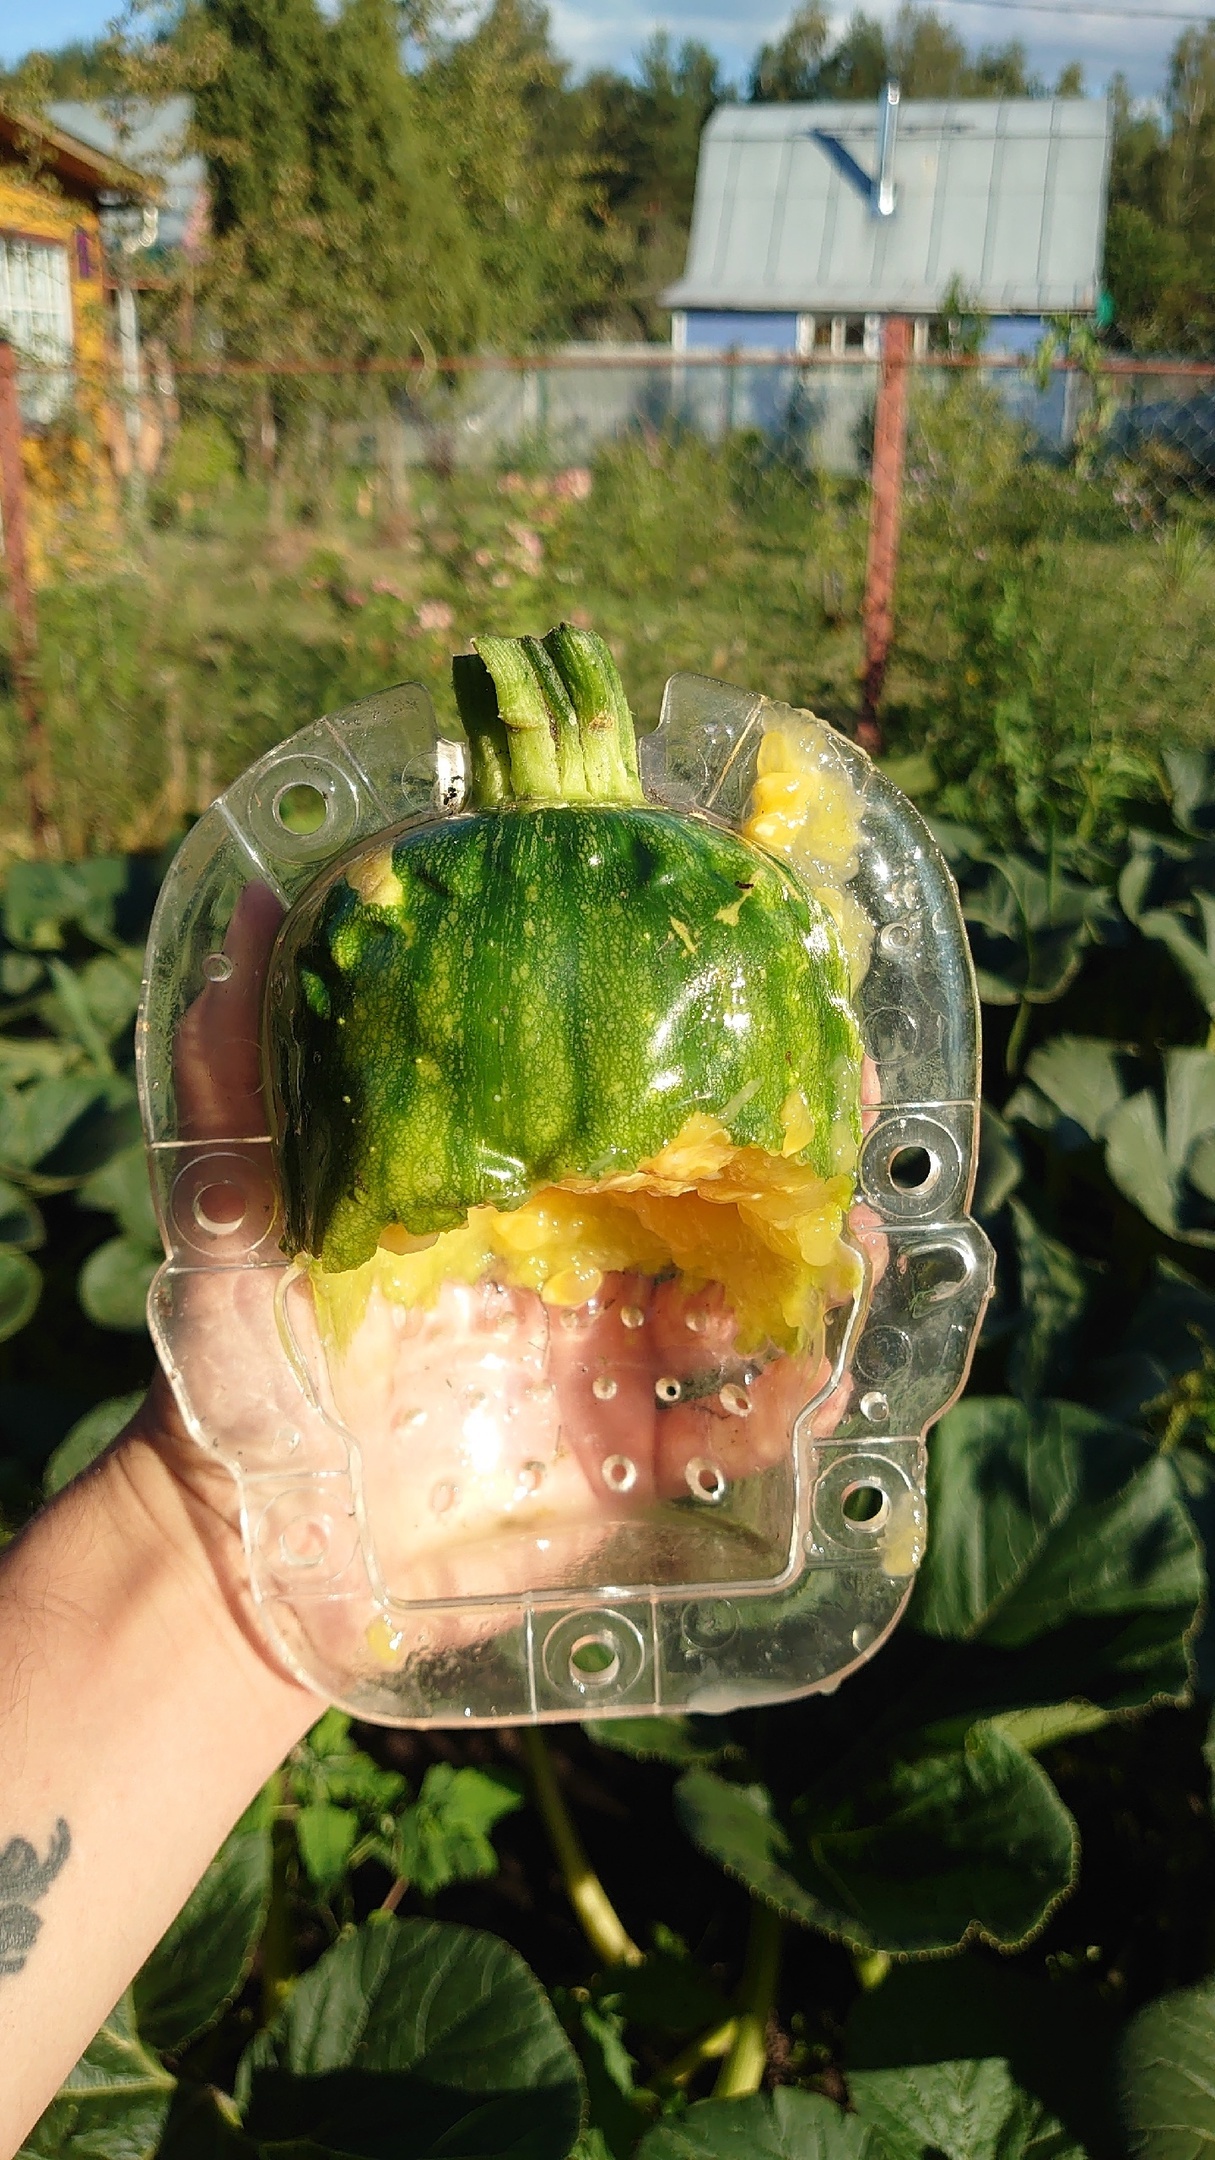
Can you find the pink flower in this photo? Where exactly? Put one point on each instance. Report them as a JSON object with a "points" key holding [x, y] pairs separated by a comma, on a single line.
{"points": [[574, 484], [436, 615], [483, 558], [512, 483], [385, 585], [530, 546]]}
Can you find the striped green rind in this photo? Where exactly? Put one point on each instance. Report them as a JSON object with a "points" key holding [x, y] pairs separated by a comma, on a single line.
{"points": [[556, 992]]}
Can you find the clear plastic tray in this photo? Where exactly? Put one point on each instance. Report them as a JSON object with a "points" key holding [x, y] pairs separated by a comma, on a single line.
{"points": [[394, 1570]]}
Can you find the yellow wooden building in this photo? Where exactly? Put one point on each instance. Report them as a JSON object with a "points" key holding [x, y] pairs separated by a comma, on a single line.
{"points": [[54, 311]]}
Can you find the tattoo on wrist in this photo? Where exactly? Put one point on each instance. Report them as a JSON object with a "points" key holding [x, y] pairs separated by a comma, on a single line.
{"points": [[24, 1878]]}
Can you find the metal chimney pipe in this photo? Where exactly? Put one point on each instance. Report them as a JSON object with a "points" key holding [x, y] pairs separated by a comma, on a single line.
{"points": [[888, 128]]}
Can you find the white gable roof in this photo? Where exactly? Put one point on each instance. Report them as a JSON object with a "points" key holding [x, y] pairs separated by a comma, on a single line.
{"points": [[1005, 195]]}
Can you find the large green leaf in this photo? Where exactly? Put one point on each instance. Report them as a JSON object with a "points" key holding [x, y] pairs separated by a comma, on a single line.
{"points": [[201, 1963], [1055, 1288], [1166, 1165], [20, 1290], [464, 2048], [1061, 1536], [942, 1839], [784, 2125], [1029, 928], [112, 2106], [114, 1282], [958, 2111], [1080, 1077], [1167, 2077], [1051, 2027]]}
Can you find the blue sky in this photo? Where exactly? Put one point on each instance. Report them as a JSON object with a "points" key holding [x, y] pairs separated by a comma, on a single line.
{"points": [[593, 32]]}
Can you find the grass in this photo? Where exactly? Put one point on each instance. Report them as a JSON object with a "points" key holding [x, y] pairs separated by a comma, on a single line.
{"points": [[1053, 629]]}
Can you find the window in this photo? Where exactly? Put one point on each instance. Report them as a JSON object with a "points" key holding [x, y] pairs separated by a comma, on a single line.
{"points": [[36, 313]]}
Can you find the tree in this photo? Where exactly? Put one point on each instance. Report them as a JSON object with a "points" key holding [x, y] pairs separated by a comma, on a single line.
{"points": [[646, 135], [790, 69], [1160, 238], [337, 230], [518, 147]]}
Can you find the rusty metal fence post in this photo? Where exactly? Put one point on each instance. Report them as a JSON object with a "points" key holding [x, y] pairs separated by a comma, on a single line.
{"points": [[885, 506], [21, 601]]}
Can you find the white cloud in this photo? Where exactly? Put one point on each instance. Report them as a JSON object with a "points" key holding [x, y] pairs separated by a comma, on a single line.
{"points": [[598, 33]]}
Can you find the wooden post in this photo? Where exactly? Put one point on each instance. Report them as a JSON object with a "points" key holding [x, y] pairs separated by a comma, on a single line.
{"points": [[885, 506], [21, 599]]}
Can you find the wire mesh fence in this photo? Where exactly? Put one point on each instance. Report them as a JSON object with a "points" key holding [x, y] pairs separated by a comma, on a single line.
{"points": [[231, 550]]}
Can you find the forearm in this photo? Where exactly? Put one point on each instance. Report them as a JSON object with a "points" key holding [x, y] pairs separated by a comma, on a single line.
{"points": [[137, 1708]]}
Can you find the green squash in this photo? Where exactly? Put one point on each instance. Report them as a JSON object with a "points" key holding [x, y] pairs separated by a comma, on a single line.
{"points": [[549, 987]]}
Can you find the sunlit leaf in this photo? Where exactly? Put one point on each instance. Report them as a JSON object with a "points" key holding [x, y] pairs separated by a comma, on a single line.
{"points": [[200, 1964], [935, 1842], [1167, 2077], [464, 2048], [115, 2102]]}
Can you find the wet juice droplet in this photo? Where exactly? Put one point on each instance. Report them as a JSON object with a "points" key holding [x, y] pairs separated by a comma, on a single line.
{"points": [[631, 1316]]}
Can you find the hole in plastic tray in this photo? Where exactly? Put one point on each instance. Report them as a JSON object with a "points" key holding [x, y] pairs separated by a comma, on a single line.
{"points": [[914, 1169], [594, 1661], [301, 808], [219, 1209], [865, 1506]]}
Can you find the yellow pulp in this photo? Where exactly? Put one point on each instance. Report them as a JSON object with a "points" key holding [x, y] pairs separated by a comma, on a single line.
{"points": [[766, 1227]]}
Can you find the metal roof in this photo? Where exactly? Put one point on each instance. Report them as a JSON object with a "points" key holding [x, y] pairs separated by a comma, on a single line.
{"points": [[151, 138], [1005, 195]]}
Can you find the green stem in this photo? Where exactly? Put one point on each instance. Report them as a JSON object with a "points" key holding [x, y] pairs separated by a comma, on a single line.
{"points": [[530, 731], [597, 1916], [743, 2069], [489, 754], [278, 1945], [1016, 1040], [547, 720], [708, 2046]]}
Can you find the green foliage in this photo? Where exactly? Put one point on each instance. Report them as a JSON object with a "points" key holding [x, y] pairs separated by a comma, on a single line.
{"points": [[1165, 2077], [955, 1798]]}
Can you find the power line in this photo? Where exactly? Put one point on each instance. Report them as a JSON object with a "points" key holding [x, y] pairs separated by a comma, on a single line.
{"points": [[1063, 12]]}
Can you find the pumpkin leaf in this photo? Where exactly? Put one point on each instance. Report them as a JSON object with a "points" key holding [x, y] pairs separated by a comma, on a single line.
{"points": [[1166, 2077], [959, 2111], [116, 2101], [201, 1962], [464, 2047], [1063, 1537], [945, 1839], [783, 2125]]}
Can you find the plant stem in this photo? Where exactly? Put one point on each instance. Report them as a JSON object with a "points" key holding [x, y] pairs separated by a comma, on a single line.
{"points": [[597, 1916], [743, 2069], [394, 1894], [708, 2046], [278, 1947], [1016, 1040]]}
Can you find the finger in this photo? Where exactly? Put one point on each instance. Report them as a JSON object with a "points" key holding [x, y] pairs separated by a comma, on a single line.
{"points": [[217, 1050]]}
